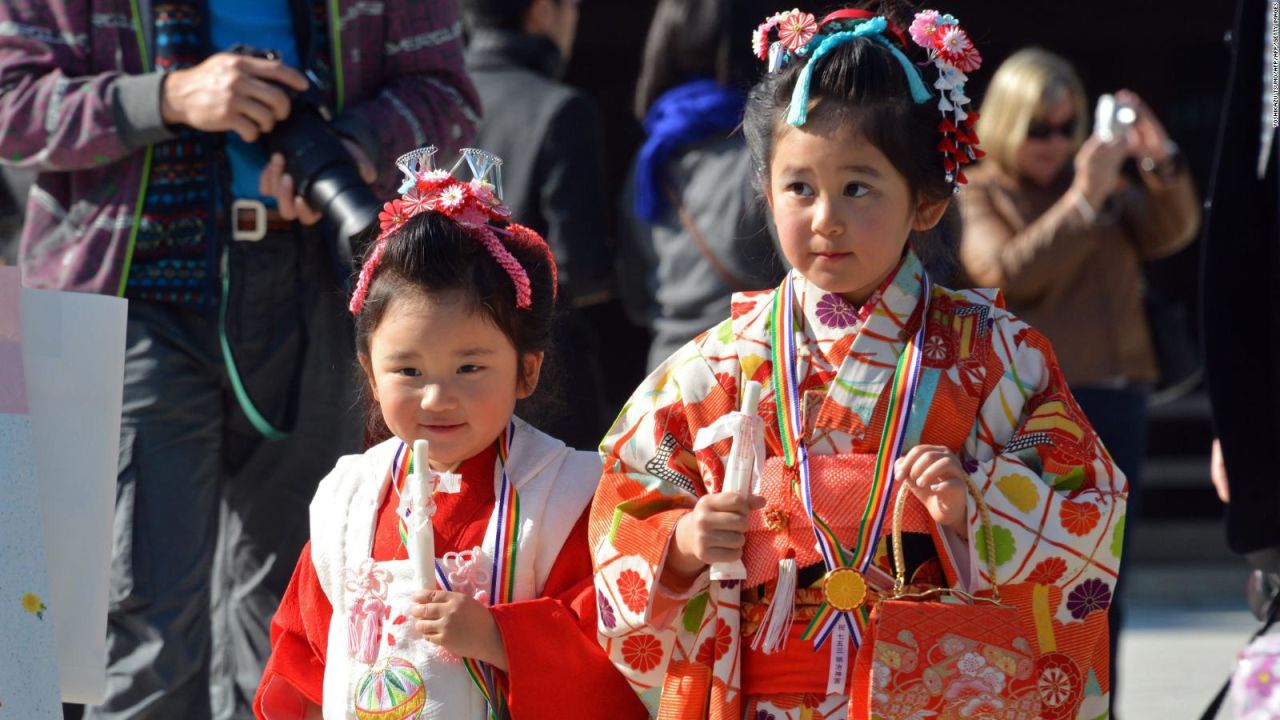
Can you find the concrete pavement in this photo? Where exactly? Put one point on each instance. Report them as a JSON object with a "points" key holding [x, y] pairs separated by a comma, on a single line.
{"points": [[1186, 623]]}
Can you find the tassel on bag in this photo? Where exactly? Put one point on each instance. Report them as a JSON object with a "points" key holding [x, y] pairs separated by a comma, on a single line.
{"points": [[774, 629]]}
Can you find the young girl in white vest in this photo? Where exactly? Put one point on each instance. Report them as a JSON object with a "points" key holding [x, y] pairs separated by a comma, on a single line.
{"points": [[453, 309]]}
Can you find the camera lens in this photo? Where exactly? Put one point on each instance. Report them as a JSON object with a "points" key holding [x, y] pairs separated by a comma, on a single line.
{"points": [[325, 175], [346, 200]]}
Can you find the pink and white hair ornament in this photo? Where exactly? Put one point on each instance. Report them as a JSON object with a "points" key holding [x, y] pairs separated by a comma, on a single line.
{"points": [[795, 30], [476, 206]]}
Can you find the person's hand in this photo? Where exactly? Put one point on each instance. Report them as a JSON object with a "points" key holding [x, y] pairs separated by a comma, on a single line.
{"points": [[935, 475], [714, 531], [1218, 472], [1147, 138], [275, 182], [1097, 166], [230, 93], [460, 624]]}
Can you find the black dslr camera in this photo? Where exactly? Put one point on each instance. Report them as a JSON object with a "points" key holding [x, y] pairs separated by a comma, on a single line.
{"points": [[323, 171]]}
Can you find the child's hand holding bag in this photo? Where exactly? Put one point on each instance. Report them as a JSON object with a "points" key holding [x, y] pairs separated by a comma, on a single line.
{"points": [[943, 651]]}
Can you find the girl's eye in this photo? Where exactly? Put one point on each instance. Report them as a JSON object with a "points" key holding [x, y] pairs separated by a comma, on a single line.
{"points": [[800, 189], [468, 369], [409, 372], [856, 190]]}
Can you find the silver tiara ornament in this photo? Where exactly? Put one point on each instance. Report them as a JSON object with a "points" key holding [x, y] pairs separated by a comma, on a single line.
{"points": [[486, 169], [416, 164], [475, 205]]}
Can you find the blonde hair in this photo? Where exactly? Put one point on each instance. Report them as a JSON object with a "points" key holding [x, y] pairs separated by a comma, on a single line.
{"points": [[1025, 88]]}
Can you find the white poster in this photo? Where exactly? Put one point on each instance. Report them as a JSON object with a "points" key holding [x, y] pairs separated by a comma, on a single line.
{"points": [[28, 669], [73, 348]]}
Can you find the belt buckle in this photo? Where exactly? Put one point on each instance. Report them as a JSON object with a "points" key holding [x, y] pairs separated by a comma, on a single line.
{"points": [[248, 220]]}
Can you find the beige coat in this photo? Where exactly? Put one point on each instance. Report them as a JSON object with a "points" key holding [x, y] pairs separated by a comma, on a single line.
{"points": [[1079, 283]]}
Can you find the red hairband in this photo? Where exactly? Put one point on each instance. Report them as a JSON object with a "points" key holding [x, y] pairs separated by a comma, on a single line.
{"points": [[473, 205]]}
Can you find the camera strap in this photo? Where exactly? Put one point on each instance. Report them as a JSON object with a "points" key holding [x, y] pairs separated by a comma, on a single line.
{"points": [[259, 421]]}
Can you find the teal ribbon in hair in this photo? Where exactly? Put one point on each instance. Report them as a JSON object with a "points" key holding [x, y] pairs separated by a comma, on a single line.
{"points": [[873, 29]]}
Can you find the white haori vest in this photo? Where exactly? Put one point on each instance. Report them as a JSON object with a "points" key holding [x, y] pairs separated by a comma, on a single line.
{"points": [[412, 678]]}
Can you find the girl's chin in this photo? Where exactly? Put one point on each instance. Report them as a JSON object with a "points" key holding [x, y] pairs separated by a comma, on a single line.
{"points": [[444, 458], [446, 448], [836, 283]]}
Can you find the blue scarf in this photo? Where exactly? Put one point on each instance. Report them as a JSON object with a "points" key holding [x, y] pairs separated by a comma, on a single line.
{"points": [[684, 114]]}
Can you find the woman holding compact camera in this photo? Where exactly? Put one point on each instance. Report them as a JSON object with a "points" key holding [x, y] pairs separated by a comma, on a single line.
{"points": [[1050, 219]]}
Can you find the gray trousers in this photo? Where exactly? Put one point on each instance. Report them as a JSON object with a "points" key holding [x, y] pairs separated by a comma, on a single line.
{"points": [[210, 516]]}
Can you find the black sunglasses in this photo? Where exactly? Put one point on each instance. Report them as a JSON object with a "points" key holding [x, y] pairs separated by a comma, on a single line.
{"points": [[1044, 131]]}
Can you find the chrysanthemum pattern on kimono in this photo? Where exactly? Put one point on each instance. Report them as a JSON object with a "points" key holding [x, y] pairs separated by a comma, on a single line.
{"points": [[990, 389]]}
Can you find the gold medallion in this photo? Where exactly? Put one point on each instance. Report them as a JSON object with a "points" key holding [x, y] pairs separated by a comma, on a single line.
{"points": [[844, 589]]}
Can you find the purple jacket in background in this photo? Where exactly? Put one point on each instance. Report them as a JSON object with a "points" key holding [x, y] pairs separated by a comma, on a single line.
{"points": [[78, 103]]}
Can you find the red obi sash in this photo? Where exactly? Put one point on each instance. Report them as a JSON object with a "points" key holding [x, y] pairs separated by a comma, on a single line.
{"points": [[840, 487]]}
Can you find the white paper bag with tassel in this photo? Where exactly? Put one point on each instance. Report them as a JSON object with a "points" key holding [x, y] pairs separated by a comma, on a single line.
{"points": [[743, 465], [743, 468]]}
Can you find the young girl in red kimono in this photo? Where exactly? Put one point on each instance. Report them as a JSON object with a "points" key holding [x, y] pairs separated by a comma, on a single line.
{"points": [[874, 378], [452, 312]]}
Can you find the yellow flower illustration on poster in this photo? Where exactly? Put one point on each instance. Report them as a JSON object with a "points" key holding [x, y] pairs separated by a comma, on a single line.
{"points": [[32, 603]]}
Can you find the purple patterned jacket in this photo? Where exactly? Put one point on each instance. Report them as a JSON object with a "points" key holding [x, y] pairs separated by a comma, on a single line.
{"points": [[78, 104]]}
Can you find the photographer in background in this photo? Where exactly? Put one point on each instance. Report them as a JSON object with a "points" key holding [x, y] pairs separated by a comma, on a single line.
{"points": [[238, 388], [548, 132], [1050, 219]]}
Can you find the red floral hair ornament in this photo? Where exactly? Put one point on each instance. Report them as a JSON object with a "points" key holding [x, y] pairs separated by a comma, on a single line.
{"points": [[795, 30], [476, 206]]}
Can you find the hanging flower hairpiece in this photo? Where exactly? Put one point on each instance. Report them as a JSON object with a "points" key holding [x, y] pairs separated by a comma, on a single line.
{"points": [[953, 54], [476, 206]]}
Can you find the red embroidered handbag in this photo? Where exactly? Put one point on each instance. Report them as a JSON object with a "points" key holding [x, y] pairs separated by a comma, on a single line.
{"points": [[945, 654]]}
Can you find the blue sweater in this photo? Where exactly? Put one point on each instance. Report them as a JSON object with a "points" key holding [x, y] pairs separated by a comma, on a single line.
{"points": [[267, 25]]}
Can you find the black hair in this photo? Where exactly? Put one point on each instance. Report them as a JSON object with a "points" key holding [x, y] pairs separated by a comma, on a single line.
{"points": [[496, 14], [432, 254], [699, 38], [860, 83]]}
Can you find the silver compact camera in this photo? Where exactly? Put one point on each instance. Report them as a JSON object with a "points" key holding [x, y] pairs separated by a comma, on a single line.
{"points": [[1112, 118]]}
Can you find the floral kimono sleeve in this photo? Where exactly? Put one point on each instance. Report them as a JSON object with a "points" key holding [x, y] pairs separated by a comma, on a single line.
{"points": [[652, 478], [1056, 499], [553, 638]]}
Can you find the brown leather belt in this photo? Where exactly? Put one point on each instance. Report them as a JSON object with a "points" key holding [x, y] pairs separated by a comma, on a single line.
{"points": [[251, 220]]}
